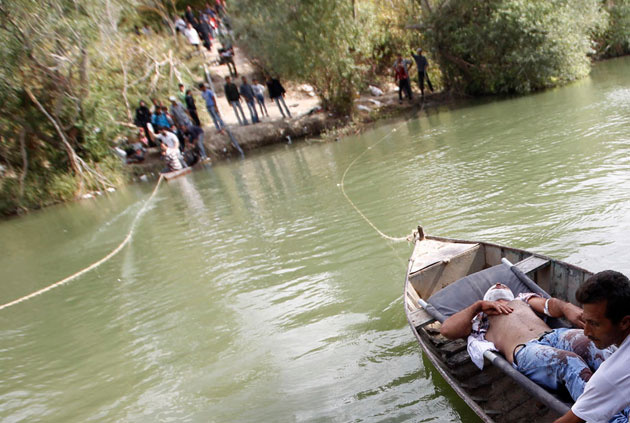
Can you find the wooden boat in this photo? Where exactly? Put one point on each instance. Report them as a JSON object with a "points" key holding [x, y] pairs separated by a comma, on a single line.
{"points": [[177, 173], [493, 394]]}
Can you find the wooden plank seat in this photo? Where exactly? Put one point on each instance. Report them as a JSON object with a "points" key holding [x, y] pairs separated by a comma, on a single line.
{"points": [[532, 263]]}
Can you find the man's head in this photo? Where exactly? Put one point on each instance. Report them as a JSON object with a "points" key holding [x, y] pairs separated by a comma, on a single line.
{"points": [[498, 292], [605, 298], [173, 100], [202, 87], [400, 57], [142, 104], [228, 79], [181, 87], [419, 50], [244, 79]]}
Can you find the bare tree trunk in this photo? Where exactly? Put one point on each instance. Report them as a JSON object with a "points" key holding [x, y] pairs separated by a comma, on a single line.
{"points": [[123, 65], [72, 155], [24, 161]]}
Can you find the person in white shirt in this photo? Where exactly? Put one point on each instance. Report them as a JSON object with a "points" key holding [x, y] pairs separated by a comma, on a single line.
{"points": [[605, 297], [259, 93], [192, 35]]}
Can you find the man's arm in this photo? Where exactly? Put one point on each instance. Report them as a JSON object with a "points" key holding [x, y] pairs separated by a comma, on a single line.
{"points": [[558, 308], [569, 417], [459, 324]]}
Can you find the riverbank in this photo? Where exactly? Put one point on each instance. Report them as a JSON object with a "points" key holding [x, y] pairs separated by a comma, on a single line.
{"points": [[318, 123]]}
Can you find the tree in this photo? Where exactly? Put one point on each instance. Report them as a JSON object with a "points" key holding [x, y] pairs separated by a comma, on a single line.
{"points": [[512, 46]]}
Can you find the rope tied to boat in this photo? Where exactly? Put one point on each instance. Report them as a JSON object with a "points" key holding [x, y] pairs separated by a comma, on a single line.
{"points": [[407, 238], [96, 263]]}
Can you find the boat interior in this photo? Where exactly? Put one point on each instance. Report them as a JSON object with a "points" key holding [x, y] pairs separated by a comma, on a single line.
{"points": [[437, 263]]}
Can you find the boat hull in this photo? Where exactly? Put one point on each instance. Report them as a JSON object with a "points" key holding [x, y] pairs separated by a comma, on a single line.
{"points": [[437, 262]]}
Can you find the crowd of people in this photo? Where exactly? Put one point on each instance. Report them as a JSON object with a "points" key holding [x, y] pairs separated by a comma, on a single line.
{"points": [[176, 128]]}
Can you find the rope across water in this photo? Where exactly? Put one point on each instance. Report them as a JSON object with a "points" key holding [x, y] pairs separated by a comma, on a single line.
{"points": [[343, 190], [93, 265], [141, 211]]}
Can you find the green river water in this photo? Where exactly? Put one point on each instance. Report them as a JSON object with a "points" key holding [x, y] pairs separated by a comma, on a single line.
{"points": [[253, 292]]}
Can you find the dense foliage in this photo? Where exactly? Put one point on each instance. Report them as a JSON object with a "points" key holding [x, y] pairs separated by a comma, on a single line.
{"points": [[615, 41], [513, 46], [70, 79]]}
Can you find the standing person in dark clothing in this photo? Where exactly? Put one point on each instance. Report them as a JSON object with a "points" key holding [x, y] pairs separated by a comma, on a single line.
{"points": [[247, 93], [276, 93], [190, 16], [234, 98], [194, 134], [204, 31], [192, 108], [422, 63], [401, 71]]}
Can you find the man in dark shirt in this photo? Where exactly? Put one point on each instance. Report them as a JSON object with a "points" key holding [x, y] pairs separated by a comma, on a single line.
{"points": [[194, 134], [422, 64], [190, 16], [276, 93], [248, 94], [234, 98], [143, 116], [192, 107]]}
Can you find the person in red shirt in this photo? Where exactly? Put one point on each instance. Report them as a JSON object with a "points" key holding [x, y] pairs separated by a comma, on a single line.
{"points": [[401, 71]]}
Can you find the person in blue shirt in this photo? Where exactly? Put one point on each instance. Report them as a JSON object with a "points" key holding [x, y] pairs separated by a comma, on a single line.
{"points": [[159, 119], [211, 105]]}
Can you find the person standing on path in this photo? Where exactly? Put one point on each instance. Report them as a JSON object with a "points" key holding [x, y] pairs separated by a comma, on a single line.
{"points": [[192, 107], [211, 106], [234, 98], [422, 63], [276, 93], [259, 93], [401, 70], [248, 94], [179, 114], [181, 93]]}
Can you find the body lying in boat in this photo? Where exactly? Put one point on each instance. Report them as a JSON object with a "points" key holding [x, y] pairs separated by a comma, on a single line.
{"points": [[550, 357], [447, 275]]}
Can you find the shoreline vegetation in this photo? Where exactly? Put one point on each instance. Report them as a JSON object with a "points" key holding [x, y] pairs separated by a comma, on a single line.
{"points": [[72, 74]]}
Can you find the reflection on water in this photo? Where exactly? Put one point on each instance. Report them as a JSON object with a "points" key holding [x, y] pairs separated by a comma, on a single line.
{"points": [[252, 291]]}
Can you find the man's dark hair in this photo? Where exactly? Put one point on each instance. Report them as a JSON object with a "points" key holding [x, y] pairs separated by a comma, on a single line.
{"points": [[610, 286], [201, 85]]}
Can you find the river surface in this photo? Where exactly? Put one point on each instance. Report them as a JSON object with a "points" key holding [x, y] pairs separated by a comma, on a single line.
{"points": [[253, 292]]}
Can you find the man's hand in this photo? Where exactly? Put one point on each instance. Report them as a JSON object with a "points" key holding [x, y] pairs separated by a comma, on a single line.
{"points": [[569, 417], [492, 308], [573, 314]]}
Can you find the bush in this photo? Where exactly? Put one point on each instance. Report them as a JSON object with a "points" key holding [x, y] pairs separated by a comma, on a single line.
{"points": [[616, 40], [513, 46]]}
